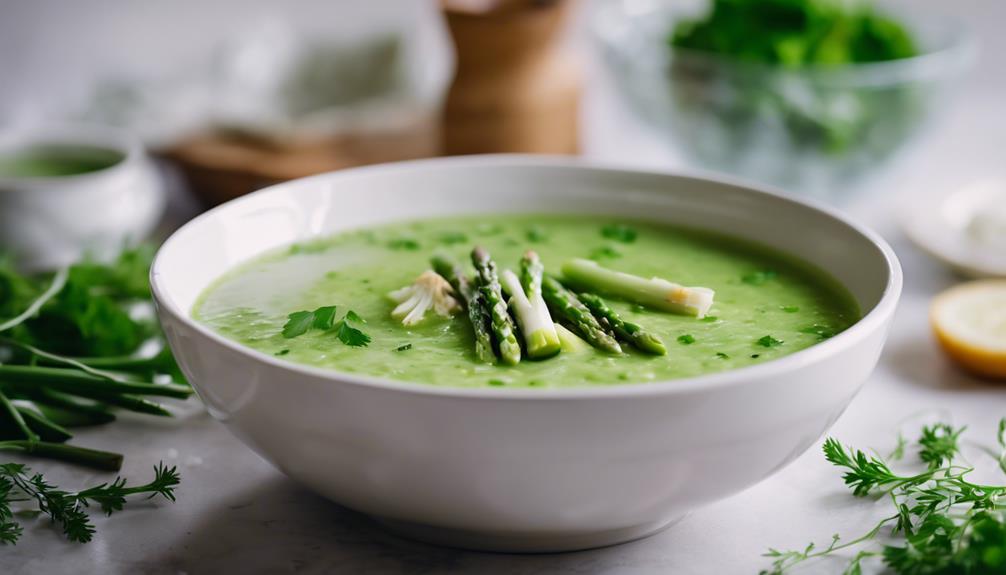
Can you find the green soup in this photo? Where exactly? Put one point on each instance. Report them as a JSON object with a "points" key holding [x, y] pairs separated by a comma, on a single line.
{"points": [[46, 161], [766, 306]]}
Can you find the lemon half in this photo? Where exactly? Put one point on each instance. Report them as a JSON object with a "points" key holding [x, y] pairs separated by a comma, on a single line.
{"points": [[970, 324]]}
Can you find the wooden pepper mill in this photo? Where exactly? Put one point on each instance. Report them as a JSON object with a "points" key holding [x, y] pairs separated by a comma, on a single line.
{"points": [[515, 89]]}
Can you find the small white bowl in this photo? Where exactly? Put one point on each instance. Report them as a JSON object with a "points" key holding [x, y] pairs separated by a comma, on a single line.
{"points": [[530, 469], [48, 222]]}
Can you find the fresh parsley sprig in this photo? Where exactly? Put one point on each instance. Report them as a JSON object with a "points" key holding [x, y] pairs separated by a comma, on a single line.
{"points": [[942, 522], [69, 511], [300, 322]]}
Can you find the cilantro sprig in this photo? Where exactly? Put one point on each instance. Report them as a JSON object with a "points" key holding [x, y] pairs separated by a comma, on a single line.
{"points": [[346, 329], [940, 522]]}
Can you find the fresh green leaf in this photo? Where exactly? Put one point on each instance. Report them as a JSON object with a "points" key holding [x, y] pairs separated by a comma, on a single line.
{"points": [[686, 339], [769, 341], [324, 317], [298, 323]]}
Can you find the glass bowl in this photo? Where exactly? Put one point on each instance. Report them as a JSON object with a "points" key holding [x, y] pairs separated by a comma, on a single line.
{"points": [[813, 130]]}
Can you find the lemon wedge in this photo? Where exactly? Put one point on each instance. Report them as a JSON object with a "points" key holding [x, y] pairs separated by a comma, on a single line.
{"points": [[970, 324]]}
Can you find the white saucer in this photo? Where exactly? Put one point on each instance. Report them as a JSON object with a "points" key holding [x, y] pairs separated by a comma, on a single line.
{"points": [[948, 224]]}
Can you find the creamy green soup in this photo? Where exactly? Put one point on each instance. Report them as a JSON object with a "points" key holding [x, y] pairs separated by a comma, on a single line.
{"points": [[767, 305], [46, 161]]}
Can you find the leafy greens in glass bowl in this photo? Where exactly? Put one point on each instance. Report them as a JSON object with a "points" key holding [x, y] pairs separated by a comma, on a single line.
{"points": [[808, 95]]}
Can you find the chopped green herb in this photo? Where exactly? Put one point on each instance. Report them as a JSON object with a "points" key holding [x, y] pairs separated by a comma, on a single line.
{"points": [[450, 238], [790, 308], [755, 356], [758, 278], [536, 234], [686, 339], [497, 382], [403, 244], [283, 352], [619, 232], [822, 332], [722, 355], [605, 252], [710, 319], [404, 347], [769, 341]]}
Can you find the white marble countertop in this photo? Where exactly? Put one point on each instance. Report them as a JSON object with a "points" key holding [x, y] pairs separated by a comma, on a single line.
{"points": [[235, 514]]}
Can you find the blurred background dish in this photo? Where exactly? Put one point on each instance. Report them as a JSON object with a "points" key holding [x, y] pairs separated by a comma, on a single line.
{"points": [[796, 94], [964, 226], [71, 191]]}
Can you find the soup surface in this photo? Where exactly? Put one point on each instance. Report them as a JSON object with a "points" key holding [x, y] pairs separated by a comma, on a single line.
{"points": [[57, 160], [767, 305]]}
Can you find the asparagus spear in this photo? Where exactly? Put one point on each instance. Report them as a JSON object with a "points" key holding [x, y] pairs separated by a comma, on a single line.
{"points": [[502, 325], [478, 312], [653, 292], [627, 331], [532, 317], [571, 343], [566, 306]]}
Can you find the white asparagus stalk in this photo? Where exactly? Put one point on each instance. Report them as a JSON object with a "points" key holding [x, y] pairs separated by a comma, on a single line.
{"points": [[535, 322], [653, 292]]}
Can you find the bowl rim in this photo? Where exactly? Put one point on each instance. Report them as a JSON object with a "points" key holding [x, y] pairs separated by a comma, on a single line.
{"points": [[872, 320]]}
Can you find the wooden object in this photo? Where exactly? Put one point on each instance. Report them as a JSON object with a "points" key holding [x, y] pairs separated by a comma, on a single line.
{"points": [[515, 89]]}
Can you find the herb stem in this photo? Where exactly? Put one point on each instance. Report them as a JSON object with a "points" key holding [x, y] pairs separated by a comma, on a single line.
{"points": [[71, 381], [93, 458]]}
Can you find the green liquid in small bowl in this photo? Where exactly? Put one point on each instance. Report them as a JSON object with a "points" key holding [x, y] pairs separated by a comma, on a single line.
{"points": [[56, 160]]}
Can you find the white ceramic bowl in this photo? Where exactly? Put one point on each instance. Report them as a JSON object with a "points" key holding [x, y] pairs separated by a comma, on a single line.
{"points": [[47, 222], [532, 469]]}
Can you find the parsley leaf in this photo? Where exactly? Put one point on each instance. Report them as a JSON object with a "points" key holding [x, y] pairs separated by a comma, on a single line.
{"points": [[769, 341], [298, 323], [350, 335], [686, 339], [323, 318]]}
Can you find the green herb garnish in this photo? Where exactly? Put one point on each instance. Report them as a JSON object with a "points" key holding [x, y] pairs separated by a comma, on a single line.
{"points": [[722, 355], [790, 308], [940, 522], [536, 234], [19, 487], [404, 244], [451, 238], [348, 334], [822, 332], [619, 232], [759, 277], [605, 252], [686, 339], [323, 319], [769, 341]]}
